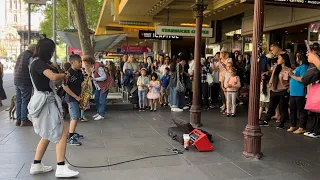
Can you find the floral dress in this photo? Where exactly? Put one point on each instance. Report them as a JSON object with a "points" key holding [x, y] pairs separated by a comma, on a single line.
{"points": [[154, 90]]}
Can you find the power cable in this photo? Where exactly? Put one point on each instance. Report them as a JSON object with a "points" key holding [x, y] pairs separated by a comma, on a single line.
{"points": [[175, 152]]}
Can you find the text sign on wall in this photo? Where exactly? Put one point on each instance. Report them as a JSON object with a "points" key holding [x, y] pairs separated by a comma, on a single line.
{"points": [[182, 31], [152, 35]]}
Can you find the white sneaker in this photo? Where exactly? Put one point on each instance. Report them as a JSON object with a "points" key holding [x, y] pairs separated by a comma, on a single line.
{"points": [[177, 110], [39, 168], [63, 171], [98, 118], [306, 133], [186, 107], [95, 116], [313, 135]]}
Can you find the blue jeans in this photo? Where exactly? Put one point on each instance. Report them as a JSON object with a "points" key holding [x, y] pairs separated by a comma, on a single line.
{"points": [[142, 98], [23, 95], [100, 100], [173, 97], [74, 110]]}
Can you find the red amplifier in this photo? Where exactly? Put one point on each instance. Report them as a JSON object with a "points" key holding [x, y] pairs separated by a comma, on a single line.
{"points": [[200, 140]]}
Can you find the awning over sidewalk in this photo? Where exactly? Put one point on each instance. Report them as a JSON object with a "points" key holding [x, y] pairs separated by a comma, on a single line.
{"points": [[102, 42]]}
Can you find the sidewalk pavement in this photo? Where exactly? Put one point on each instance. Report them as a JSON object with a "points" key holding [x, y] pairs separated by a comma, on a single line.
{"points": [[126, 135]]}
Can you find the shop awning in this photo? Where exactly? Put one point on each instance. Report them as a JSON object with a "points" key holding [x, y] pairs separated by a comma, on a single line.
{"points": [[102, 42]]}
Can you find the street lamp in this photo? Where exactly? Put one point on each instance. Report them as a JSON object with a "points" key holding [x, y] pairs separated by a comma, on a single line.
{"points": [[195, 111]]}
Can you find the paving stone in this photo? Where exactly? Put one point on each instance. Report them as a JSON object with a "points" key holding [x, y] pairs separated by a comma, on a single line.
{"points": [[180, 173], [10, 170], [220, 171]]}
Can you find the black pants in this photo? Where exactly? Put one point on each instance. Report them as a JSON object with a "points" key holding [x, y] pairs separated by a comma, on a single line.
{"points": [[204, 95], [281, 99], [297, 103], [215, 89], [315, 126]]}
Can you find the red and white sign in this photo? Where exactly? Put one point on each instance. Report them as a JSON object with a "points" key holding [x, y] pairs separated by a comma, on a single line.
{"points": [[136, 49], [74, 50]]}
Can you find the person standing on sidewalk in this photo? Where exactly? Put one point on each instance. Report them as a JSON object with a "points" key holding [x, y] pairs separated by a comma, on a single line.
{"points": [[23, 85], [72, 86], [298, 98], [46, 112], [102, 81], [3, 95], [279, 95]]}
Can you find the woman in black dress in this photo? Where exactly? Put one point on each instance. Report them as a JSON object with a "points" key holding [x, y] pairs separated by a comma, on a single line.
{"points": [[3, 95]]}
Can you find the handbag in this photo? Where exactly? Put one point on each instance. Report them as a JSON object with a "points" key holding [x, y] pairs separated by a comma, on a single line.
{"points": [[210, 79], [180, 86], [313, 99]]}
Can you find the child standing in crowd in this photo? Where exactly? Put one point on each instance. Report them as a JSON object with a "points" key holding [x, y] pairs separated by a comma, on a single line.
{"points": [[142, 84], [232, 86], [72, 86], [165, 80], [264, 95], [154, 92]]}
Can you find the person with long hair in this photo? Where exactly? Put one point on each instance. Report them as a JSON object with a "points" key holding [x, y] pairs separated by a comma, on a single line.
{"points": [[46, 112], [264, 95], [298, 97], [279, 86], [224, 65]]}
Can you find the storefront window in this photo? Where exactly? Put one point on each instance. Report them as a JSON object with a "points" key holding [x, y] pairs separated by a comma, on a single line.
{"points": [[265, 44]]}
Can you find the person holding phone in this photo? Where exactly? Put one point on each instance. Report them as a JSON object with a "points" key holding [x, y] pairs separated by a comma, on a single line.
{"points": [[279, 86]]}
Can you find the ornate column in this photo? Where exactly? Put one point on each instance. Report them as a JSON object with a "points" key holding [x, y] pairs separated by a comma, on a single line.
{"points": [[252, 132], [195, 111]]}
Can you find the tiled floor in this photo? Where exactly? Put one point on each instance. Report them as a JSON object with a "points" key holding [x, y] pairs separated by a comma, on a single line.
{"points": [[126, 135]]}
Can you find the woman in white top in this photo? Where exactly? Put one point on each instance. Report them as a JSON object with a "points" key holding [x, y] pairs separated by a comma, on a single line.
{"points": [[165, 65]]}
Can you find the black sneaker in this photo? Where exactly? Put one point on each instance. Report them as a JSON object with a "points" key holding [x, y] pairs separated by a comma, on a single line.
{"points": [[73, 141], [162, 105], [78, 136], [228, 115], [263, 123], [140, 109], [233, 115], [280, 126]]}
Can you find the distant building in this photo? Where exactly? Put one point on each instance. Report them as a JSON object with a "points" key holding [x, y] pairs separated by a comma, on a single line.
{"points": [[14, 28]]}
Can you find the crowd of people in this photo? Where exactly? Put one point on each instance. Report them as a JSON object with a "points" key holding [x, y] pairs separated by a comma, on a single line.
{"points": [[168, 82]]}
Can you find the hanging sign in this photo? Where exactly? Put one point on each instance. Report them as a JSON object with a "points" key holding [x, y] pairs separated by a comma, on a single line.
{"points": [[135, 49], [312, 4], [182, 31], [152, 35], [42, 2]]}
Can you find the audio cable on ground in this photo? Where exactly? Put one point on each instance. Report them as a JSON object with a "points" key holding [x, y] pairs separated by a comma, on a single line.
{"points": [[175, 152]]}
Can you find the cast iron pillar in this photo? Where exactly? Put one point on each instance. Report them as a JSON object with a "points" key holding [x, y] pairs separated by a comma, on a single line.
{"points": [[252, 132], [195, 111]]}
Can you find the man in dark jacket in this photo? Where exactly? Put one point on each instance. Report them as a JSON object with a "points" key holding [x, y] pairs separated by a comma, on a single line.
{"points": [[23, 85]]}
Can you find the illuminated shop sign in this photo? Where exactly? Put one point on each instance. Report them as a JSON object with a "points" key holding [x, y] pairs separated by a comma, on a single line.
{"points": [[152, 35]]}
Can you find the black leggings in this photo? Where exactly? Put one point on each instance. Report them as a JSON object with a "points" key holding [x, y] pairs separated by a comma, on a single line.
{"points": [[297, 103], [278, 98], [315, 126]]}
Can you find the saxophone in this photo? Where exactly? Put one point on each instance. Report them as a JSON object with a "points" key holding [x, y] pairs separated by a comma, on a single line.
{"points": [[86, 93]]}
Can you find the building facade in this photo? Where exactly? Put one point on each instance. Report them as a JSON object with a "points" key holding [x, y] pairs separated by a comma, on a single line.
{"points": [[14, 28]]}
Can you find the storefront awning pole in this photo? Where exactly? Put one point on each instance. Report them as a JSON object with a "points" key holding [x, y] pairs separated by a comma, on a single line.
{"points": [[252, 132]]}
